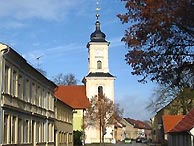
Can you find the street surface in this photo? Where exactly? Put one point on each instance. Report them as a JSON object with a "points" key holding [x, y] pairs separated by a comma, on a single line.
{"points": [[132, 144], [119, 144]]}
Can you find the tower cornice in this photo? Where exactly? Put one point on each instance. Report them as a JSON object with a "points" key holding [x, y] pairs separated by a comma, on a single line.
{"points": [[97, 43]]}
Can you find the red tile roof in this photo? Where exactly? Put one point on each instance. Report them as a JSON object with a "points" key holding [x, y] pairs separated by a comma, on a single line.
{"points": [[137, 123], [74, 96], [169, 121], [186, 124], [140, 124], [130, 121]]}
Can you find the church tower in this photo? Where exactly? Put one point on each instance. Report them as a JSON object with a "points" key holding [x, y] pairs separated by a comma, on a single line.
{"points": [[98, 79]]}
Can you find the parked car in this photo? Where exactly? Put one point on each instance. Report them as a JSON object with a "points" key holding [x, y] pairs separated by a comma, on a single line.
{"points": [[141, 140], [127, 141]]}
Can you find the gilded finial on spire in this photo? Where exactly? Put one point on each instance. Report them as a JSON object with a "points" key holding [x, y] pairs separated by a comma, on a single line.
{"points": [[97, 10]]}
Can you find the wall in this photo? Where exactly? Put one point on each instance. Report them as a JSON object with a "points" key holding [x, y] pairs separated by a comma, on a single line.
{"points": [[27, 103], [180, 139], [78, 120], [63, 124]]}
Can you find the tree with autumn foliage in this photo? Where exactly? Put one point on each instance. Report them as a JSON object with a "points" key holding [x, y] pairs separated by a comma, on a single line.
{"points": [[160, 40], [102, 114]]}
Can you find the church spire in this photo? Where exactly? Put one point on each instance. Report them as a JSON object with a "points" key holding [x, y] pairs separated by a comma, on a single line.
{"points": [[97, 36], [97, 11]]}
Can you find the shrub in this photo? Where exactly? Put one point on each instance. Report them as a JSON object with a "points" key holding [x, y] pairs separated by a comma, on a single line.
{"points": [[77, 138]]}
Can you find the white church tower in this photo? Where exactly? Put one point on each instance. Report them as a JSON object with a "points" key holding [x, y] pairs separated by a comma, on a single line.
{"points": [[99, 78]]}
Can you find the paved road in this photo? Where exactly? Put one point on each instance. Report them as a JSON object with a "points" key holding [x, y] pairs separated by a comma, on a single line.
{"points": [[133, 144]]}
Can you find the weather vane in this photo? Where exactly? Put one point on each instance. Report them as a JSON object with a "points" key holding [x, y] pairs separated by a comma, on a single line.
{"points": [[97, 10]]}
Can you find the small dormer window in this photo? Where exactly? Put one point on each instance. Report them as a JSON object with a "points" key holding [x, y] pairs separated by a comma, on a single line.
{"points": [[99, 64]]}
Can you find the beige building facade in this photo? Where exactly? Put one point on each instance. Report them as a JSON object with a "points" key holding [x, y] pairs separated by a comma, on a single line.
{"points": [[120, 130], [29, 112], [129, 130], [135, 128], [63, 124]]}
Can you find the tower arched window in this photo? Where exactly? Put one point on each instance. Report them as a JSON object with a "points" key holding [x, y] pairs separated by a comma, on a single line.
{"points": [[100, 90], [99, 64]]}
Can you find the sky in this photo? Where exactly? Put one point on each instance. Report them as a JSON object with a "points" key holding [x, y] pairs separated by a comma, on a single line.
{"points": [[57, 32]]}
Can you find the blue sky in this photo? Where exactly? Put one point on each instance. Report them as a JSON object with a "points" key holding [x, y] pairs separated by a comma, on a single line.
{"points": [[58, 31]]}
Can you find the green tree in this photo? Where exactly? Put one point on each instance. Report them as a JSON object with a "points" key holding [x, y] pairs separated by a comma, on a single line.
{"points": [[77, 138], [160, 40], [62, 79]]}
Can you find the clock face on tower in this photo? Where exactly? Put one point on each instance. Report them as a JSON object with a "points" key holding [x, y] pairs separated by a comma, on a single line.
{"points": [[99, 52]]}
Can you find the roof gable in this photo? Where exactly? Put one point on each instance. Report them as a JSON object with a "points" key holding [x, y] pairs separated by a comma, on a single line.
{"points": [[137, 123], [169, 121], [185, 124], [74, 96], [130, 121]]}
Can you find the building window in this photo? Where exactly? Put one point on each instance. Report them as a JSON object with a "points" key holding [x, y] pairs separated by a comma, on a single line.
{"points": [[65, 117], [26, 131], [33, 93], [49, 100], [52, 102], [14, 83], [100, 91], [70, 138], [20, 131], [52, 129], [44, 98], [51, 132], [27, 90], [38, 96], [13, 129], [65, 139], [60, 137], [6, 79], [43, 131], [20, 87], [37, 132], [6, 122], [40, 132], [99, 64]]}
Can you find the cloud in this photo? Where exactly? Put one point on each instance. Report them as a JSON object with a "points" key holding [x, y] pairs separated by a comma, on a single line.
{"points": [[42, 9], [115, 42], [134, 107], [59, 51], [12, 24]]}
